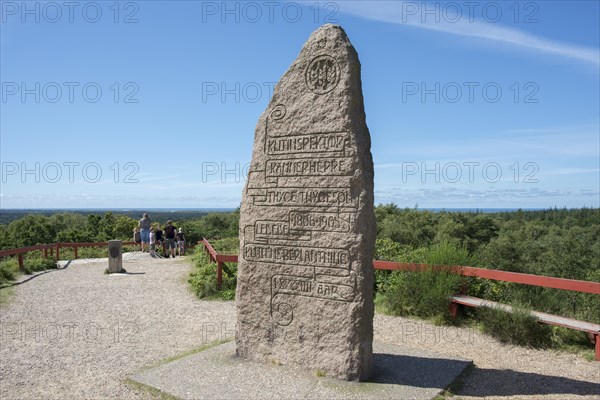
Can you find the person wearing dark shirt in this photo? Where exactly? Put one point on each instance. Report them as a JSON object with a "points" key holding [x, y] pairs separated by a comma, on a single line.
{"points": [[170, 233]]}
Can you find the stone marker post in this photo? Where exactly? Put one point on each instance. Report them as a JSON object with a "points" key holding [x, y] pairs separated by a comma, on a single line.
{"points": [[115, 256], [307, 226]]}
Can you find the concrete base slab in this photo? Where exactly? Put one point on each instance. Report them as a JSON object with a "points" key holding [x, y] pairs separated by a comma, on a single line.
{"points": [[216, 373]]}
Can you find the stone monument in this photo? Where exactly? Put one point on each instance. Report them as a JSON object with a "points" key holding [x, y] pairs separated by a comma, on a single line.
{"points": [[115, 256], [307, 226]]}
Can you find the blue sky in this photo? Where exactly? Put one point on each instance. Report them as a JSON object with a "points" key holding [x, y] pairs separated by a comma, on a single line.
{"points": [[154, 103]]}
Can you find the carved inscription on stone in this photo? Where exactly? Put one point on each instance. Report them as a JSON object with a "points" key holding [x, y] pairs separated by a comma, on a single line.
{"points": [[292, 156]]}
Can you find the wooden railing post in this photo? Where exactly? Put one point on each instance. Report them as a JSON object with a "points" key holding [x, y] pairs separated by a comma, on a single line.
{"points": [[214, 257], [219, 273], [21, 264], [453, 310], [57, 251], [45, 252]]}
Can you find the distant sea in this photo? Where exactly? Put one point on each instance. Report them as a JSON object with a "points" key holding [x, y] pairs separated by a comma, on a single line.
{"points": [[157, 214]]}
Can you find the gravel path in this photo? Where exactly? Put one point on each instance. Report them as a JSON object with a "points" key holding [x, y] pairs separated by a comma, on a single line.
{"points": [[77, 333]]}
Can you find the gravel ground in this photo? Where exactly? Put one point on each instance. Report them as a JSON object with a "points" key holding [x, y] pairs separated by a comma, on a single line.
{"points": [[77, 333], [501, 371]]}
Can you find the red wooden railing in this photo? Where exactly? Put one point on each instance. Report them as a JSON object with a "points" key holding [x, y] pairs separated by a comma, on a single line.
{"points": [[218, 258], [496, 275], [53, 249], [514, 277]]}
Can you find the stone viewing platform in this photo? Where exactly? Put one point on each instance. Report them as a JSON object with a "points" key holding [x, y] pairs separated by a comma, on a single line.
{"points": [[400, 373]]}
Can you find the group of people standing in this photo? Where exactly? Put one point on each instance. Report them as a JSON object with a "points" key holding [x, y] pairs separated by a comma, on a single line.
{"points": [[169, 240]]}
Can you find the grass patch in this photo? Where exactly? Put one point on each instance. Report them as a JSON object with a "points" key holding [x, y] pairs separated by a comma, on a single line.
{"points": [[159, 394], [107, 271], [5, 295], [189, 353], [518, 327], [39, 264], [9, 267], [152, 391], [457, 385], [571, 341]]}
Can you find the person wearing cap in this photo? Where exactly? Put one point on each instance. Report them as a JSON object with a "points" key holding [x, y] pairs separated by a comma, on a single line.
{"points": [[180, 242], [170, 233]]}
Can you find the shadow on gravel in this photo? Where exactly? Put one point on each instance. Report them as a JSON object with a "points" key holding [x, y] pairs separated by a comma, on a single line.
{"points": [[22, 281], [126, 273], [506, 382], [414, 371]]}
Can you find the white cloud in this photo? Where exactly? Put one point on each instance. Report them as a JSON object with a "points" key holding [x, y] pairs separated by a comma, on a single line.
{"points": [[403, 13]]}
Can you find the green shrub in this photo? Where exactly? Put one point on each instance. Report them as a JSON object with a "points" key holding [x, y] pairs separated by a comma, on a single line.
{"points": [[92, 252], [229, 245], [203, 280], [39, 264], [423, 294], [446, 253], [519, 327], [589, 304], [8, 270], [487, 288], [387, 250]]}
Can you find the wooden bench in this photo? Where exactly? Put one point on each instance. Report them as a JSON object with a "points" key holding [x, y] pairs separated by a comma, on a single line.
{"points": [[593, 330]]}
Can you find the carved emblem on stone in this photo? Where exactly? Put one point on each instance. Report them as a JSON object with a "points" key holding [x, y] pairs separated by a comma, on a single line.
{"points": [[323, 74], [114, 252]]}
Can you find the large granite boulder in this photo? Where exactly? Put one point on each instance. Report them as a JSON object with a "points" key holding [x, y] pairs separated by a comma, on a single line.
{"points": [[307, 226]]}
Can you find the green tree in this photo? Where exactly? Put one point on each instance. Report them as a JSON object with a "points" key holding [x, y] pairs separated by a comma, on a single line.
{"points": [[31, 230]]}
